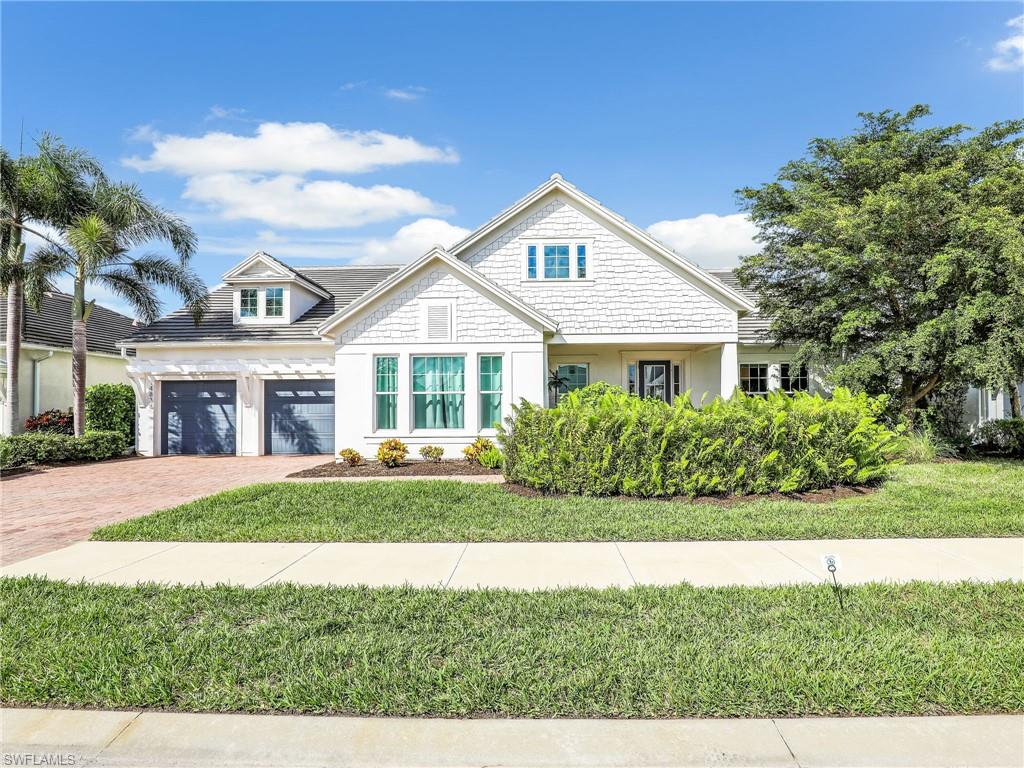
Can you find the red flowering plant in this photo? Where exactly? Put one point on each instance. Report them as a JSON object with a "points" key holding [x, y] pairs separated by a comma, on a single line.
{"points": [[55, 421]]}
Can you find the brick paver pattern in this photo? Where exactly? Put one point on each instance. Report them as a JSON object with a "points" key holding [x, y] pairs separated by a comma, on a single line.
{"points": [[50, 508]]}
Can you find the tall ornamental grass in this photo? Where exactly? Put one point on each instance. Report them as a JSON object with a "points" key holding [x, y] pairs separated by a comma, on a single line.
{"points": [[601, 441]]}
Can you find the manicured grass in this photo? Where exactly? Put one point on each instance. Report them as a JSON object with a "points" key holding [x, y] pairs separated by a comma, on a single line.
{"points": [[928, 500], [643, 652]]}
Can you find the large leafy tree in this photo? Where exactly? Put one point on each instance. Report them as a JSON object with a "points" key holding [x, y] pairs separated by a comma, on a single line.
{"points": [[37, 192], [894, 257], [102, 247]]}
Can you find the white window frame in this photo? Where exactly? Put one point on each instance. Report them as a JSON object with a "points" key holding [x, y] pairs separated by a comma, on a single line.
{"points": [[767, 377], [573, 243], [395, 394], [266, 298], [480, 391], [241, 303], [791, 364], [412, 394]]}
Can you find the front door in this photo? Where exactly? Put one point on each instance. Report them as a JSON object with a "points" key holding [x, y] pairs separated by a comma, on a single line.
{"points": [[655, 379]]}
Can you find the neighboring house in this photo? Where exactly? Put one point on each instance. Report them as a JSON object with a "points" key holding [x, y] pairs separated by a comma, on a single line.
{"points": [[45, 365], [555, 288]]}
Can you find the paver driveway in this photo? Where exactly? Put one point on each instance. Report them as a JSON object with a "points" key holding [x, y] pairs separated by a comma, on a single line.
{"points": [[51, 508]]}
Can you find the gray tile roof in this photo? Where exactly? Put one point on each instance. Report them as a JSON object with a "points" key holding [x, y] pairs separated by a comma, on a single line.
{"points": [[51, 325], [345, 284], [753, 327]]}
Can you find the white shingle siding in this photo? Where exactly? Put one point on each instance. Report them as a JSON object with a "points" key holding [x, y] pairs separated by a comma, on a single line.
{"points": [[401, 319], [629, 292]]}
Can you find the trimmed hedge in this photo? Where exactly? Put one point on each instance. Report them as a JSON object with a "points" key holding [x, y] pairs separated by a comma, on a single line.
{"points": [[50, 448], [601, 441], [110, 407]]}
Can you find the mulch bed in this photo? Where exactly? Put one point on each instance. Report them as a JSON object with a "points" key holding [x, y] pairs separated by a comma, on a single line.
{"points": [[822, 496], [405, 469]]}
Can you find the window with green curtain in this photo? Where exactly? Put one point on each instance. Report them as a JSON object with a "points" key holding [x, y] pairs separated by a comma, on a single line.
{"points": [[386, 392], [490, 391], [438, 392]]}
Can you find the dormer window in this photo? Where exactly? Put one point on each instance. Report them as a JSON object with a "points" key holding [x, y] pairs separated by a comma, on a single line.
{"points": [[275, 302], [556, 261], [249, 303]]}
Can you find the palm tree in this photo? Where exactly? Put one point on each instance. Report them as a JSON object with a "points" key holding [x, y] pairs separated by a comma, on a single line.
{"points": [[48, 189], [98, 249]]}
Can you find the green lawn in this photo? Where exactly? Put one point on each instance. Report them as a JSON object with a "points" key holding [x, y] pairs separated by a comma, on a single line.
{"points": [[929, 500], [642, 652]]}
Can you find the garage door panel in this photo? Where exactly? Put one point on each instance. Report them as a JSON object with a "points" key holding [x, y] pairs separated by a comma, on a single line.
{"points": [[198, 417], [299, 416]]}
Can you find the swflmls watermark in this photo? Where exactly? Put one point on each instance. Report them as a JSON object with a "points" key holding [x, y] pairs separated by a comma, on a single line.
{"points": [[40, 758]]}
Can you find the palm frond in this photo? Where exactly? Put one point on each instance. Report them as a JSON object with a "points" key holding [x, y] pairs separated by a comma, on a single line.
{"points": [[137, 292], [167, 273], [42, 269]]}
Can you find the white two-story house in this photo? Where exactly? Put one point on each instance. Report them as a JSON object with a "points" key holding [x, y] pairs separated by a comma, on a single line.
{"points": [[553, 293]]}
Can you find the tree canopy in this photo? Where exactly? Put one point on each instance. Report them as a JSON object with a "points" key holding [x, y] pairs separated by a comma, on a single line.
{"points": [[894, 257]]}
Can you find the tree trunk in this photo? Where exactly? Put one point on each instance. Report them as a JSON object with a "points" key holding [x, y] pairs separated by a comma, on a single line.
{"points": [[15, 315], [1014, 401], [78, 352]]}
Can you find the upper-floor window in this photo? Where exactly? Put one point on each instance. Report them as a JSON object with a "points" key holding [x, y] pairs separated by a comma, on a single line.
{"points": [[275, 302], [249, 303], [557, 261]]}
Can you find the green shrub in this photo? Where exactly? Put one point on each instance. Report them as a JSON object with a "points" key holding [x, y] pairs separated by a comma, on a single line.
{"points": [[1004, 437], [53, 420], [432, 453], [474, 450], [924, 446], [600, 441], [350, 456], [110, 407], [392, 452], [51, 448], [492, 458]]}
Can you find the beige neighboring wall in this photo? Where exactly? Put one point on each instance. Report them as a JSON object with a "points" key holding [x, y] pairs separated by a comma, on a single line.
{"points": [[54, 377]]}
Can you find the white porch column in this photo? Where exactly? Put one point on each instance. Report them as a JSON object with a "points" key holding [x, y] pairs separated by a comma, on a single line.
{"points": [[730, 368]]}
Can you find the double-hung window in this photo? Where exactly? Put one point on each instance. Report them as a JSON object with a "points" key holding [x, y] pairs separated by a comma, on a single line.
{"points": [[794, 378], [249, 302], [531, 262], [754, 378], [581, 260], [490, 391], [275, 302], [439, 391], [386, 392]]}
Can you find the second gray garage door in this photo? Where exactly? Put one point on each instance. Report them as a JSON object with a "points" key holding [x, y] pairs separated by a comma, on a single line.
{"points": [[299, 416]]}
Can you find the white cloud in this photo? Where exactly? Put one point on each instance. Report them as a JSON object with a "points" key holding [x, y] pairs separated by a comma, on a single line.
{"points": [[217, 112], [351, 85], [709, 240], [406, 244], [409, 93], [144, 133], [287, 148], [1010, 51], [410, 242], [290, 201]]}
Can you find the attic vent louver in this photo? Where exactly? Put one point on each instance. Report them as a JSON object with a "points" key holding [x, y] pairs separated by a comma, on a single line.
{"points": [[439, 322]]}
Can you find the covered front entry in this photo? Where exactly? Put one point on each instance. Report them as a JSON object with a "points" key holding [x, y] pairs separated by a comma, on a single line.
{"points": [[198, 417], [299, 416]]}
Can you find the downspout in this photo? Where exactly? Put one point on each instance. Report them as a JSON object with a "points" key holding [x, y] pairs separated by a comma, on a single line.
{"points": [[37, 363]]}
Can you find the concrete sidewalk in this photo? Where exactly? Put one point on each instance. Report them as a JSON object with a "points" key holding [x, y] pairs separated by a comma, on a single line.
{"points": [[104, 738], [531, 565]]}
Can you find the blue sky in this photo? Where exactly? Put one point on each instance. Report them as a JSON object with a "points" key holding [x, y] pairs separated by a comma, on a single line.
{"points": [[327, 133]]}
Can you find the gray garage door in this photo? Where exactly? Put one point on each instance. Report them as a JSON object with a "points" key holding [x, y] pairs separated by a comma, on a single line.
{"points": [[198, 417], [299, 416]]}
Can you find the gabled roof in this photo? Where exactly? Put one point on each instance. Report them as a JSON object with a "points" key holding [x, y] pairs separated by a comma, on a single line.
{"points": [[276, 267], [435, 255], [345, 284], [557, 184], [51, 325]]}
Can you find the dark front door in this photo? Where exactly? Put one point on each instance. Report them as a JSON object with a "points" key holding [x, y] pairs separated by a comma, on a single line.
{"points": [[198, 417], [299, 416], [655, 379]]}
